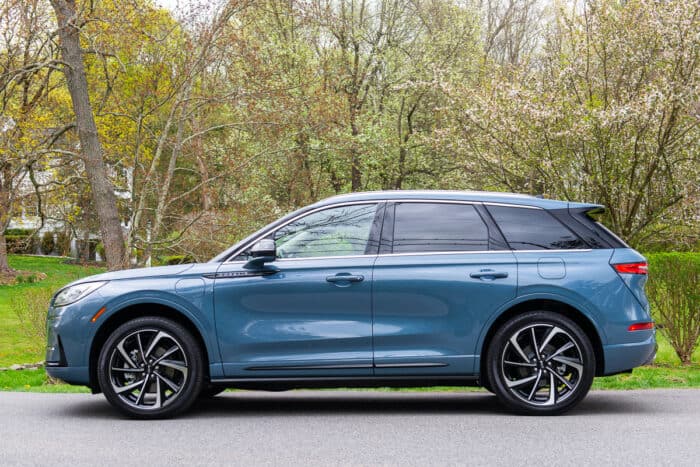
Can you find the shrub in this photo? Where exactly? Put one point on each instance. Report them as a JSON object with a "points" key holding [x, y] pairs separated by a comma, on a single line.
{"points": [[63, 243], [47, 243], [26, 279], [21, 244], [19, 232], [674, 292], [177, 259], [31, 308]]}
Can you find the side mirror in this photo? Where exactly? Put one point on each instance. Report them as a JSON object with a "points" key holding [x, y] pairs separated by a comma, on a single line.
{"points": [[262, 252]]}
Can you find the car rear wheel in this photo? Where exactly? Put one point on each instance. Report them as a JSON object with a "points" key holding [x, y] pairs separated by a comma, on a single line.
{"points": [[540, 363], [151, 367]]}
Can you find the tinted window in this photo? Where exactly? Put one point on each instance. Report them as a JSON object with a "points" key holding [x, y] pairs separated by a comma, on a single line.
{"points": [[337, 231], [533, 229], [425, 227]]}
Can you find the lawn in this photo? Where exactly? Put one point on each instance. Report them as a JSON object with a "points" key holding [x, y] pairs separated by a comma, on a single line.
{"points": [[16, 346]]}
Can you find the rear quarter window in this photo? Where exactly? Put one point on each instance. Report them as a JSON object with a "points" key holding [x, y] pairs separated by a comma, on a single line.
{"points": [[534, 229]]}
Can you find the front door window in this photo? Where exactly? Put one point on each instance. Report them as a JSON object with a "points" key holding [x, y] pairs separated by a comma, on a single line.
{"points": [[339, 231]]}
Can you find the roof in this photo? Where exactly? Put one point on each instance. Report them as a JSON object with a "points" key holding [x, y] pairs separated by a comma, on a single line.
{"points": [[481, 196]]}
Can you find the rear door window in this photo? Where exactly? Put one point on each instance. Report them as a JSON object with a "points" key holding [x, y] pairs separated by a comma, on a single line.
{"points": [[533, 229], [438, 227]]}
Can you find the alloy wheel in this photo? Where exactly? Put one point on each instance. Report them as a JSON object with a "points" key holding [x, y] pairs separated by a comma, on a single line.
{"points": [[542, 365], [148, 369]]}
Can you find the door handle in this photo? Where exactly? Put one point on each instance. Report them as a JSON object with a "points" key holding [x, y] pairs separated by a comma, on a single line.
{"points": [[345, 278], [488, 274]]}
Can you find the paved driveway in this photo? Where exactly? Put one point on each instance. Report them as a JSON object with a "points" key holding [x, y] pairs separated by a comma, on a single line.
{"points": [[660, 427]]}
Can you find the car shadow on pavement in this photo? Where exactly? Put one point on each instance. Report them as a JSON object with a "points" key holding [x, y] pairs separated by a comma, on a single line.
{"points": [[332, 403]]}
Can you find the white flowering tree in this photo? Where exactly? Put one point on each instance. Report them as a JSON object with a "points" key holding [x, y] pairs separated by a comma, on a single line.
{"points": [[610, 114]]}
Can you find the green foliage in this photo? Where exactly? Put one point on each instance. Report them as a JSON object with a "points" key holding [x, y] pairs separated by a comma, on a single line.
{"points": [[18, 232], [62, 243], [674, 292], [26, 279], [15, 345], [176, 259], [21, 244], [34, 380], [100, 250], [218, 125], [48, 244], [30, 309]]}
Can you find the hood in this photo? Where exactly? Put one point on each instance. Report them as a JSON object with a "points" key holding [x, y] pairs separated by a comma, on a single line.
{"points": [[139, 273]]}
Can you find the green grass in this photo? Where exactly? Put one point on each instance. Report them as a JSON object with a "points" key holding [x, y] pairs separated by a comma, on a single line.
{"points": [[33, 381], [17, 347]]}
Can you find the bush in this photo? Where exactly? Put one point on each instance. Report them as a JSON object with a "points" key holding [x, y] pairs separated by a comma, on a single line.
{"points": [[21, 244], [100, 250], [674, 292], [19, 232], [47, 243], [31, 308], [177, 259], [63, 243]]}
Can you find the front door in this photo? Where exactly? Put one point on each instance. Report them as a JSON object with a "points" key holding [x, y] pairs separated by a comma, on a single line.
{"points": [[444, 272], [308, 313]]}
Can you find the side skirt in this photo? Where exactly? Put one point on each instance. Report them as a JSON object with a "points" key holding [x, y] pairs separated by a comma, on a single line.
{"points": [[281, 384]]}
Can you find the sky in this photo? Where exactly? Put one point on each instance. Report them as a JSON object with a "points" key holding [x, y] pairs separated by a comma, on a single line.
{"points": [[170, 4]]}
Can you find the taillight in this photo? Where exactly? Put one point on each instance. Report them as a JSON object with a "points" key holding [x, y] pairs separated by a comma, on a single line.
{"points": [[641, 327], [632, 268]]}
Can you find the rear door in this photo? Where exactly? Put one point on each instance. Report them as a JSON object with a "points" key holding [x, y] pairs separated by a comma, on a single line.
{"points": [[443, 270]]}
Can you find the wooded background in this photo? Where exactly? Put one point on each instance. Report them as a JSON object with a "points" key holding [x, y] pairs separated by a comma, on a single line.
{"points": [[207, 121]]}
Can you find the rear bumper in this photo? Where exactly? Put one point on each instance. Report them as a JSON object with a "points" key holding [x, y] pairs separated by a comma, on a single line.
{"points": [[624, 357]]}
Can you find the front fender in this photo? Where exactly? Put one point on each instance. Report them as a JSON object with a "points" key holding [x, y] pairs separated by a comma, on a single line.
{"points": [[192, 302]]}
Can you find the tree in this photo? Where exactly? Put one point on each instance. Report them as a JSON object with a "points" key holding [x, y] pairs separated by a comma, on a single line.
{"points": [[28, 126], [69, 20], [610, 117]]}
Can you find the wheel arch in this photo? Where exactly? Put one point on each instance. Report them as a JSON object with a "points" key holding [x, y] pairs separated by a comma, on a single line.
{"points": [[138, 310], [552, 305]]}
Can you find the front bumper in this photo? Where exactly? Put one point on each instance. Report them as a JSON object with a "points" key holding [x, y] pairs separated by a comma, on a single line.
{"points": [[66, 350], [78, 375]]}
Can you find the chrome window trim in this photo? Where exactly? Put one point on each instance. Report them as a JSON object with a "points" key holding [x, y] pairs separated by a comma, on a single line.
{"points": [[458, 201], [400, 200], [490, 203], [471, 252], [429, 253]]}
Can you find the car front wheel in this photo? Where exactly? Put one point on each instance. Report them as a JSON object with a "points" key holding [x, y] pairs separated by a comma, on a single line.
{"points": [[151, 367], [540, 363]]}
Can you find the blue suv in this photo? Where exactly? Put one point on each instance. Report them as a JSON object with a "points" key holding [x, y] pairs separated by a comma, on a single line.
{"points": [[527, 297]]}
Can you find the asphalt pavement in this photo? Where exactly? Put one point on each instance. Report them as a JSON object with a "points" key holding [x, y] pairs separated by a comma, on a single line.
{"points": [[655, 427]]}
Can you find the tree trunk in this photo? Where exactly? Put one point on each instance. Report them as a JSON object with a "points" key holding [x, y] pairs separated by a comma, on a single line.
{"points": [[4, 265], [5, 187], [102, 190], [355, 170]]}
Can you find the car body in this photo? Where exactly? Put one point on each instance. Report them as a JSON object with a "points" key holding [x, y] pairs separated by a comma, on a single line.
{"points": [[395, 288]]}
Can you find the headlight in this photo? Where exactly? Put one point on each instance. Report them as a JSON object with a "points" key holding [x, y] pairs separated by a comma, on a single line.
{"points": [[76, 292]]}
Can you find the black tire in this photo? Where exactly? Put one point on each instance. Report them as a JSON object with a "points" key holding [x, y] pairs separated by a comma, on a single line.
{"points": [[157, 364], [210, 391], [522, 378], [486, 384]]}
